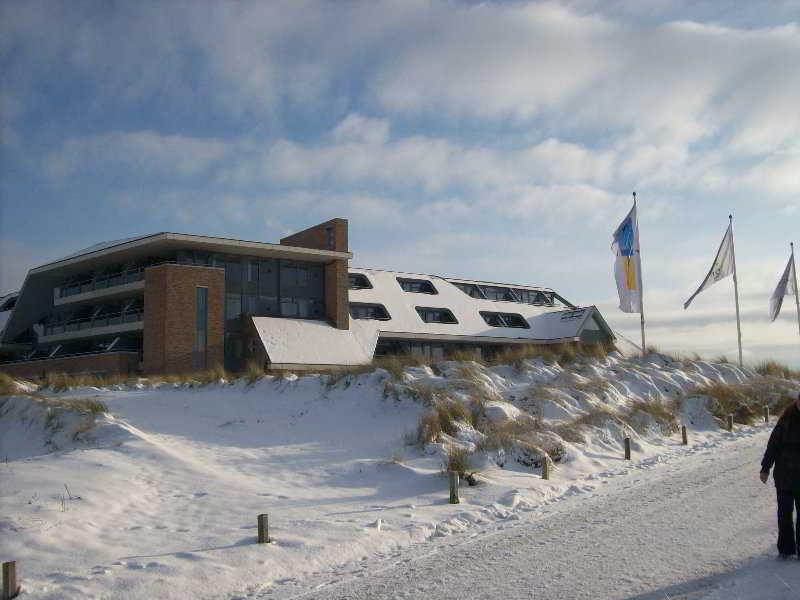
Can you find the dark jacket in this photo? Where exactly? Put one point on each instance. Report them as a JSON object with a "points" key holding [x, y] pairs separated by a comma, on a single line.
{"points": [[783, 450]]}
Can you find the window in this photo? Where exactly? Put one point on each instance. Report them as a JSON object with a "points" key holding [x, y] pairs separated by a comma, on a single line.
{"points": [[470, 289], [201, 329], [359, 281], [436, 315], [417, 286], [496, 319], [534, 297], [360, 310], [494, 292]]}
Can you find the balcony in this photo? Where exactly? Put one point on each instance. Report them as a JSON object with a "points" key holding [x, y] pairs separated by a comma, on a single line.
{"points": [[93, 327], [105, 286]]}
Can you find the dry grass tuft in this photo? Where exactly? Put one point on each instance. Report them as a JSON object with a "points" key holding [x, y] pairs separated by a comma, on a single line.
{"points": [[395, 364], [598, 416], [254, 372], [458, 459], [666, 415], [743, 401], [442, 418], [7, 385], [771, 368], [595, 385]]}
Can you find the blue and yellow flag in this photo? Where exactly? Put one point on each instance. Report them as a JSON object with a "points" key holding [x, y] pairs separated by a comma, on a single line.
{"points": [[628, 266]]}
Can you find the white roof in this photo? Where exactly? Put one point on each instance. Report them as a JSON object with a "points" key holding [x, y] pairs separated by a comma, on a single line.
{"points": [[301, 341], [546, 322]]}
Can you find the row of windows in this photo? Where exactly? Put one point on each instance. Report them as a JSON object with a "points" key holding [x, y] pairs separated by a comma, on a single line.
{"points": [[359, 281], [507, 294], [378, 312]]}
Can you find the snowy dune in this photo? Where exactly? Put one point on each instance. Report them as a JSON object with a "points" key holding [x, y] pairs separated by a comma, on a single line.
{"points": [[165, 489]]}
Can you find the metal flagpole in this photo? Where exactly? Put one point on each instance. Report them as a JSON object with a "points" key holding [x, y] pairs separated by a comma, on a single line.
{"points": [[641, 278], [796, 290], [736, 294]]}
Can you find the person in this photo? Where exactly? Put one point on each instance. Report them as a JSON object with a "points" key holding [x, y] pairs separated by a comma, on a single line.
{"points": [[783, 451]]}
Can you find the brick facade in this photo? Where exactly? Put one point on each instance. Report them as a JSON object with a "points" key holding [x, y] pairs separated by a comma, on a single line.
{"points": [[107, 363], [170, 314], [330, 235]]}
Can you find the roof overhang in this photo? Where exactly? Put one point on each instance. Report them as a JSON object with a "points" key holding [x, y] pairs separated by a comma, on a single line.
{"points": [[147, 245]]}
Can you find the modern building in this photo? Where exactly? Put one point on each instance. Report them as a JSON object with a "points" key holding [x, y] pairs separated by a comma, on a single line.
{"points": [[171, 303]]}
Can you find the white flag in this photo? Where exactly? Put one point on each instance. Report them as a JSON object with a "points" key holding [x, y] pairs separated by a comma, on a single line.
{"points": [[785, 288], [628, 265], [722, 267]]}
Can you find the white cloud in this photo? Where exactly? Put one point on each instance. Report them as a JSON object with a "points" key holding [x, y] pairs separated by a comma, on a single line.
{"points": [[138, 151]]}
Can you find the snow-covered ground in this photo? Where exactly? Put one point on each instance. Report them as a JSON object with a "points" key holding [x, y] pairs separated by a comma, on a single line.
{"points": [[163, 492]]}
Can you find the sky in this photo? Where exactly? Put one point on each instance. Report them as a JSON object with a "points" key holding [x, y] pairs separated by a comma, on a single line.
{"points": [[490, 140]]}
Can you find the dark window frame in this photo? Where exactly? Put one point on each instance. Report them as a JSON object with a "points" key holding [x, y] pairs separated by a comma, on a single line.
{"points": [[369, 305], [422, 310], [362, 276], [403, 282], [504, 319]]}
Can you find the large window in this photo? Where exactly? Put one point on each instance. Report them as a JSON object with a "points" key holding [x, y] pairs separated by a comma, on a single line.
{"points": [[360, 310], [496, 319], [199, 351], [534, 297], [470, 289], [495, 292], [436, 315], [417, 286], [359, 281]]}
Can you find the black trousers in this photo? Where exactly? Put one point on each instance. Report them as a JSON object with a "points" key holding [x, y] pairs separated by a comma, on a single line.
{"points": [[788, 531]]}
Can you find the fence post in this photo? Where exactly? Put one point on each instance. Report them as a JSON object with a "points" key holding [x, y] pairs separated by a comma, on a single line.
{"points": [[546, 467], [10, 587], [766, 413], [627, 448], [263, 529], [730, 423], [684, 436], [453, 477]]}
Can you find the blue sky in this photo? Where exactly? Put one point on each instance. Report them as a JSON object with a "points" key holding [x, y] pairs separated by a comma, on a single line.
{"points": [[491, 140]]}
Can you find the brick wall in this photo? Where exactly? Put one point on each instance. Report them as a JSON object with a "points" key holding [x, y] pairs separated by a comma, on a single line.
{"points": [[107, 363], [317, 237], [170, 317]]}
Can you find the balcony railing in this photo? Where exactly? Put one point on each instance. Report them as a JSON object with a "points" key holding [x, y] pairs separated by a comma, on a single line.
{"points": [[102, 282], [94, 322]]}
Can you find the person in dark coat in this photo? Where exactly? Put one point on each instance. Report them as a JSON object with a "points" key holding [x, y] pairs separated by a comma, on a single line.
{"points": [[783, 451]]}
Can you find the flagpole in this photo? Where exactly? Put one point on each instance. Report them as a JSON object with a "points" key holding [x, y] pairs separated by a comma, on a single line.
{"points": [[736, 294], [796, 290], [641, 277]]}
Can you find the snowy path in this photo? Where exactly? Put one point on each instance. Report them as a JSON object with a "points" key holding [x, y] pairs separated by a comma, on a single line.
{"points": [[697, 528]]}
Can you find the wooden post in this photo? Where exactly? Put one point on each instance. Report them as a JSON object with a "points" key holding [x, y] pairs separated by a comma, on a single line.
{"points": [[10, 587], [263, 529], [453, 476], [684, 436], [766, 413], [627, 448], [730, 423], [546, 467]]}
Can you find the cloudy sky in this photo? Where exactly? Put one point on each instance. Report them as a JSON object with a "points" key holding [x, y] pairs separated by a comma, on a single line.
{"points": [[499, 141]]}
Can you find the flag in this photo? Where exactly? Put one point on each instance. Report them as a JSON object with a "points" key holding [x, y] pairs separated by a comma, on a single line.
{"points": [[786, 287], [628, 266], [722, 267]]}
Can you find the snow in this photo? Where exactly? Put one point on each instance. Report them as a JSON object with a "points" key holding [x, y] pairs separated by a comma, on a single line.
{"points": [[300, 341], [163, 492]]}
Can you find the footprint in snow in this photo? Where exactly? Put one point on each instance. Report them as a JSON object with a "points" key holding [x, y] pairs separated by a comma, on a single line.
{"points": [[188, 556], [200, 494]]}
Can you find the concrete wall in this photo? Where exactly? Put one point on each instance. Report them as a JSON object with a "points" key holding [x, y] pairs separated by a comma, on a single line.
{"points": [[107, 363], [170, 311]]}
